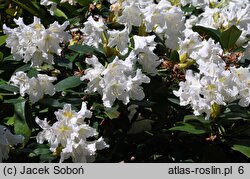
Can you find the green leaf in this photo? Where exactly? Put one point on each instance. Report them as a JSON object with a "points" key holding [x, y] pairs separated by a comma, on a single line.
{"points": [[10, 88], [201, 119], [21, 117], [96, 125], [51, 102], [189, 128], [174, 56], [242, 146], [207, 32], [9, 58], [32, 8], [85, 49], [62, 62], [59, 13], [229, 37], [3, 39], [32, 73], [42, 151], [174, 100], [188, 8], [1, 56], [113, 113], [70, 82], [10, 121], [83, 3]]}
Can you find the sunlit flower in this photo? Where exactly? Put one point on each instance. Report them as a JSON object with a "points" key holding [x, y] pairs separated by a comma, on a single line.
{"points": [[35, 43], [35, 87], [118, 80], [93, 30], [120, 39], [70, 132]]}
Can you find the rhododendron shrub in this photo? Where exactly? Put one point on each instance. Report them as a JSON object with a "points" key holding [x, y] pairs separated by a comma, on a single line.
{"points": [[125, 81]]}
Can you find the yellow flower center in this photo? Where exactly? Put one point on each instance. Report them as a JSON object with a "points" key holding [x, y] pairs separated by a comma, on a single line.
{"points": [[63, 128], [68, 114]]}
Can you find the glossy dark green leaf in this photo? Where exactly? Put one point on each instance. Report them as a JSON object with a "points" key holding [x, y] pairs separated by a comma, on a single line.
{"points": [[85, 49], [113, 113], [1, 56], [32, 8], [201, 119], [51, 102], [42, 151], [10, 88], [22, 116], [62, 62], [9, 58], [188, 8], [174, 56], [60, 13], [32, 73], [3, 39], [83, 3], [70, 82], [207, 32], [189, 128], [229, 37], [242, 146], [174, 100]]}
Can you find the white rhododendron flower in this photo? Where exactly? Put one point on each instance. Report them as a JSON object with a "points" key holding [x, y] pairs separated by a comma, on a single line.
{"points": [[94, 75], [93, 31], [232, 13], [131, 16], [35, 87], [118, 80], [35, 43], [7, 139], [166, 20], [70, 134], [202, 92], [120, 39], [215, 83], [143, 53]]}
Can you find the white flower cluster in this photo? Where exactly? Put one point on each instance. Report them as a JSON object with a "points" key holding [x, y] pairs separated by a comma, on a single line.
{"points": [[93, 31], [198, 3], [210, 3], [35, 87], [166, 20], [215, 84], [162, 18], [35, 43], [203, 92], [7, 139], [142, 52], [118, 80], [69, 135], [232, 13], [223, 18]]}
